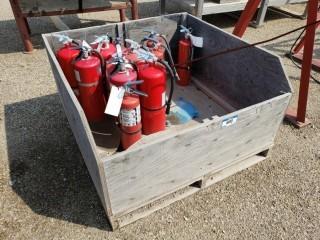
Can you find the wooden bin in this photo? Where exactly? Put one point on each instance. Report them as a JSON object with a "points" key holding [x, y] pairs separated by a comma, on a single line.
{"points": [[241, 97]]}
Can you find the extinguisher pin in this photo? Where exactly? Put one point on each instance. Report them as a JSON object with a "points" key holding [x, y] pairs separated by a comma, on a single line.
{"points": [[135, 91], [131, 83]]}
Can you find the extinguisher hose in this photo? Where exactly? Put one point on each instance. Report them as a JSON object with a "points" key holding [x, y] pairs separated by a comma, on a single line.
{"points": [[104, 74], [172, 67], [166, 42], [171, 85]]}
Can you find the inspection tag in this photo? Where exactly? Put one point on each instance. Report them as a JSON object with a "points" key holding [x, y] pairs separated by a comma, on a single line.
{"points": [[115, 101], [197, 41]]}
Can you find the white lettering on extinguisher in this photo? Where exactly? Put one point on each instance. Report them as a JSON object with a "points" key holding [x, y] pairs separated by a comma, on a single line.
{"points": [[163, 100], [77, 75], [131, 117]]}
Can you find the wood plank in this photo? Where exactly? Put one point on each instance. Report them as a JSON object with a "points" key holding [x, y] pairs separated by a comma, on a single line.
{"points": [[165, 201], [145, 172]]}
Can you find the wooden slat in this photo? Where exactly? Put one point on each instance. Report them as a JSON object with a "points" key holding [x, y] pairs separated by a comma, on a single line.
{"points": [[213, 177]]}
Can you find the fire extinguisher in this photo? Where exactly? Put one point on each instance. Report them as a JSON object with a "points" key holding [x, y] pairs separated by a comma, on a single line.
{"points": [[155, 107], [107, 49], [158, 45], [124, 71], [155, 43], [130, 115], [105, 46], [130, 52], [65, 56], [185, 54], [88, 69]]}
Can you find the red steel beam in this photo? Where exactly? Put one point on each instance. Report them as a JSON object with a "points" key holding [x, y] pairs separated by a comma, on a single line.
{"points": [[307, 61], [245, 18], [22, 25]]}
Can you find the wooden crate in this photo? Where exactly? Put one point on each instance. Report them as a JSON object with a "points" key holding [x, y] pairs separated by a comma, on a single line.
{"points": [[248, 86]]}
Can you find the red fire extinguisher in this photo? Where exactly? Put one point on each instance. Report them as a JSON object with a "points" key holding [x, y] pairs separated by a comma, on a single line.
{"points": [[105, 46], [155, 43], [130, 52], [185, 53], [107, 49], [155, 107], [130, 115], [124, 71], [88, 69], [65, 57]]}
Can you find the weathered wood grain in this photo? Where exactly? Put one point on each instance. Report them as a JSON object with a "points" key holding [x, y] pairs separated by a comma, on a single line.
{"points": [[188, 190], [139, 175]]}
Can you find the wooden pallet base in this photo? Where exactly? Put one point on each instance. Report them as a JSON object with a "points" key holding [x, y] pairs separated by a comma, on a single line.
{"points": [[185, 191]]}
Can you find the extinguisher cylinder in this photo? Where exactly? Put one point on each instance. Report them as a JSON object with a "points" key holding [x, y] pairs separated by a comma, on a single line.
{"points": [[92, 100], [130, 121], [184, 57], [153, 107], [65, 57]]}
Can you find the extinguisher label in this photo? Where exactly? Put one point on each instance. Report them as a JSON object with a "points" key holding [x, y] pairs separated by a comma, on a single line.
{"points": [[129, 118], [77, 75], [163, 99]]}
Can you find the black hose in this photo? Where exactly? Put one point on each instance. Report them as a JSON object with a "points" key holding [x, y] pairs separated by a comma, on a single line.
{"points": [[294, 62], [75, 42], [166, 42], [171, 85], [173, 68]]}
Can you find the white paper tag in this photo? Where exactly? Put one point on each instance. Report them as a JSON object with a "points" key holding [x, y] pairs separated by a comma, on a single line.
{"points": [[163, 99], [197, 41], [115, 101]]}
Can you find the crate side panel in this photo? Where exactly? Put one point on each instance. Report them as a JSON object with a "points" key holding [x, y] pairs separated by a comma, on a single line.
{"points": [[247, 76], [166, 25], [155, 169], [78, 124]]}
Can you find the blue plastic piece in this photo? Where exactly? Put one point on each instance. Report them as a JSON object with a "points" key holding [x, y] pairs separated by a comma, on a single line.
{"points": [[184, 111]]}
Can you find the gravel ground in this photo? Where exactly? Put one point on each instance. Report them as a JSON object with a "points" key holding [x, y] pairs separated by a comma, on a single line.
{"points": [[47, 193]]}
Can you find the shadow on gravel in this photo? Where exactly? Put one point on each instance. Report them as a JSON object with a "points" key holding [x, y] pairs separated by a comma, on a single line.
{"points": [[11, 40], [46, 168]]}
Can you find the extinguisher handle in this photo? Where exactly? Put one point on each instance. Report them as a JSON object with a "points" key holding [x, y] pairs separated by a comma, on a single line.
{"points": [[128, 89], [137, 92], [131, 83]]}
